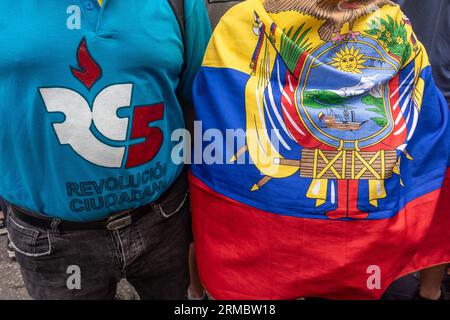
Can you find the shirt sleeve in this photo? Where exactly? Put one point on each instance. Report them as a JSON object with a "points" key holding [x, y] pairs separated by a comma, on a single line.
{"points": [[197, 35]]}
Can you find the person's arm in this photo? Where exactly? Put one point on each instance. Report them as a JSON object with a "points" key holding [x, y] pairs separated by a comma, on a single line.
{"points": [[197, 35]]}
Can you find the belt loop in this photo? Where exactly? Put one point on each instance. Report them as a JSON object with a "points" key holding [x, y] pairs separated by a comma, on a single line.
{"points": [[54, 224]]}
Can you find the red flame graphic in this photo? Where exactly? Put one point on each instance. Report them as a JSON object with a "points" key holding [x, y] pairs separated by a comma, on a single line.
{"points": [[89, 72]]}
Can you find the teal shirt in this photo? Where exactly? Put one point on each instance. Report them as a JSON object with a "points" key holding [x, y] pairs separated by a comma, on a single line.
{"points": [[89, 101]]}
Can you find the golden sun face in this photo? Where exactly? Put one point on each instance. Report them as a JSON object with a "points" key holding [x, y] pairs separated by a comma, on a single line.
{"points": [[349, 60]]}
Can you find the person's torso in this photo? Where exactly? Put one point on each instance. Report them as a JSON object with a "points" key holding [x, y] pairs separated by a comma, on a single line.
{"points": [[324, 101], [88, 104]]}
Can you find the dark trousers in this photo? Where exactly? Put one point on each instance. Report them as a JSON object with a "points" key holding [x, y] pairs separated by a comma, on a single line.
{"points": [[152, 254], [3, 208]]}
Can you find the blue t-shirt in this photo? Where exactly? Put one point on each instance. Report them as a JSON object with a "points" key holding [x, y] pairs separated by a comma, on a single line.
{"points": [[89, 101]]}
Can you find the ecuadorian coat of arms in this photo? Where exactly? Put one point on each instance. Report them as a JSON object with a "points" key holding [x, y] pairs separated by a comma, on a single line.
{"points": [[331, 104]]}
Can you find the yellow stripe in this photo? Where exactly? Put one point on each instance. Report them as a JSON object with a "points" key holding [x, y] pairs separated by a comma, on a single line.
{"points": [[344, 163], [100, 2]]}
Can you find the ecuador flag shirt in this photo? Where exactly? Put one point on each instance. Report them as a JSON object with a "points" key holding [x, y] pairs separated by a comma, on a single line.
{"points": [[342, 159], [89, 101]]}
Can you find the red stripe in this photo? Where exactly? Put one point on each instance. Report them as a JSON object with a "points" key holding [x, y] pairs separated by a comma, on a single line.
{"points": [[246, 253], [290, 110], [347, 201], [392, 142], [435, 248]]}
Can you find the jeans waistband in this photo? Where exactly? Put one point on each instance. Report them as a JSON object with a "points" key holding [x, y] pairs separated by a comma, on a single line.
{"points": [[117, 220]]}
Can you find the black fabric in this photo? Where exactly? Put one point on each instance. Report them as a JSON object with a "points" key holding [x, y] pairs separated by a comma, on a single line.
{"points": [[178, 9], [217, 8], [63, 226], [152, 255], [431, 22], [403, 289]]}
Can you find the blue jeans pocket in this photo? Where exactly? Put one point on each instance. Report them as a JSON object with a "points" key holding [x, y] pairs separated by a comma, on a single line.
{"points": [[172, 206], [28, 240], [175, 201]]}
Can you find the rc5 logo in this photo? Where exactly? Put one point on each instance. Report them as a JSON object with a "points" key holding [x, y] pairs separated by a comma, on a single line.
{"points": [[79, 117]]}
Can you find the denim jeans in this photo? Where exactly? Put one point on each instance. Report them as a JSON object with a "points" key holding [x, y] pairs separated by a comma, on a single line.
{"points": [[3, 208], [152, 254]]}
